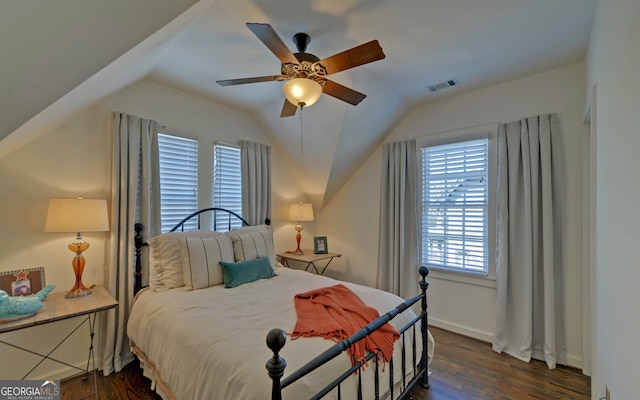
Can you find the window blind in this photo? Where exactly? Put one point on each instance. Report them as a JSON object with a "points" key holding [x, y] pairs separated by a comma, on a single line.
{"points": [[227, 182], [455, 206], [178, 159]]}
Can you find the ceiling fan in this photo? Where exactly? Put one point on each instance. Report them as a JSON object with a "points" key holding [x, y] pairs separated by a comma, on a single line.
{"points": [[306, 68]]}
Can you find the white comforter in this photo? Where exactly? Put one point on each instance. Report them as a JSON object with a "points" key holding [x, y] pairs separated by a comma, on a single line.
{"points": [[210, 343]]}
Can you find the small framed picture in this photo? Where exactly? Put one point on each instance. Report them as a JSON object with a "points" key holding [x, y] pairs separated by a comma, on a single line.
{"points": [[320, 245], [22, 282]]}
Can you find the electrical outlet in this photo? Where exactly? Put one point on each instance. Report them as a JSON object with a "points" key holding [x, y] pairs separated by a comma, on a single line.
{"points": [[607, 393]]}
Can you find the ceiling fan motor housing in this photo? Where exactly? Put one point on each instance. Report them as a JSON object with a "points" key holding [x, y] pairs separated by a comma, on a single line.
{"points": [[308, 68]]}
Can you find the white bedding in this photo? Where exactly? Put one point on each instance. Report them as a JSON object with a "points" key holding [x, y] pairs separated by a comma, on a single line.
{"points": [[210, 343]]}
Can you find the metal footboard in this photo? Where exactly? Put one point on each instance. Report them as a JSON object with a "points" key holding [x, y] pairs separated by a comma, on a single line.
{"points": [[276, 365]]}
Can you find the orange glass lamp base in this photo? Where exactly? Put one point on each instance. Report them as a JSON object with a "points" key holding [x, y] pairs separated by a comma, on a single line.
{"points": [[79, 289], [298, 251]]}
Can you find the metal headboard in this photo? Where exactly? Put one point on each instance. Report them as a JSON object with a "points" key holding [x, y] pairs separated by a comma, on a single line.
{"points": [[140, 242]]}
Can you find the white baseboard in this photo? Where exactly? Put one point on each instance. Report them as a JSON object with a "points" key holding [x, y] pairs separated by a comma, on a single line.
{"points": [[462, 330], [62, 372], [572, 360]]}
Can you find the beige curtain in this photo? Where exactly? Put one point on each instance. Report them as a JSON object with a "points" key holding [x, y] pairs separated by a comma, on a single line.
{"points": [[529, 312], [399, 236], [256, 181], [135, 197]]}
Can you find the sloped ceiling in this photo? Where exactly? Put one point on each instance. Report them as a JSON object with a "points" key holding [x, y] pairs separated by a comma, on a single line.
{"points": [[60, 56]]}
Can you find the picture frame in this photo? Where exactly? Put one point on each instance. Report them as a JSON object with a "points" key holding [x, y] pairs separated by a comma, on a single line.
{"points": [[22, 282], [320, 245]]}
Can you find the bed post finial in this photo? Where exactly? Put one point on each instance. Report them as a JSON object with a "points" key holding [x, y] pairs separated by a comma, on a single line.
{"points": [[276, 338]]}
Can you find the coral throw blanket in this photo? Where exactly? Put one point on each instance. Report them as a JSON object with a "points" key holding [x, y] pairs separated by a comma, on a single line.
{"points": [[336, 313]]}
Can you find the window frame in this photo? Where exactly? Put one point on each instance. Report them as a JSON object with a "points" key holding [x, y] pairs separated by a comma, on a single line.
{"points": [[489, 132]]}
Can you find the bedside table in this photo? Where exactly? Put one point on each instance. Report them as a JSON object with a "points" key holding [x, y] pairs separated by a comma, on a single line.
{"points": [[56, 307], [310, 258]]}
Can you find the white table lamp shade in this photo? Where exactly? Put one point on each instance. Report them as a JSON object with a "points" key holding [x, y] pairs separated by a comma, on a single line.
{"points": [[301, 212], [77, 215]]}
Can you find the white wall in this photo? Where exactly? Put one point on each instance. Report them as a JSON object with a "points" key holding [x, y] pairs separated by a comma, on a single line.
{"points": [[74, 159], [351, 220], [68, 162], [614, 62]]}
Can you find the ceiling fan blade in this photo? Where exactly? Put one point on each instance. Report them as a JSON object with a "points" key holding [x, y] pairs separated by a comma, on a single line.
{"points": [[242, 81], [270, 38], [343, 93], [359, 55], [288, 109]]}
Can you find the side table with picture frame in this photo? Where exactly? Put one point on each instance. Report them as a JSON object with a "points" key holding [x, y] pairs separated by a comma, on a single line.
{"points": [[315, 262], [55, 307]]}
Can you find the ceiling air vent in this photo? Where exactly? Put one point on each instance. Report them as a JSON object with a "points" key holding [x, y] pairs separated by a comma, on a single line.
{"points": [[443, 85]]}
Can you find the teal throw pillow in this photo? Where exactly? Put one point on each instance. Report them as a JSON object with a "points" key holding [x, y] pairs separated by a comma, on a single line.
{"points": [[237, 273]]}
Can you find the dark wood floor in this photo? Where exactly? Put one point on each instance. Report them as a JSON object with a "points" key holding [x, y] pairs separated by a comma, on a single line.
{"points": [[466, 369], [462, 369]]}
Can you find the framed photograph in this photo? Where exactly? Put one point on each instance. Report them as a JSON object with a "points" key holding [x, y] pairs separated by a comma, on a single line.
{"points": [[320, 245], [22, 282]]}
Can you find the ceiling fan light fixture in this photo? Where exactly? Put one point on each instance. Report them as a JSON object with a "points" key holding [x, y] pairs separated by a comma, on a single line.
{"points": [[302, 91]]}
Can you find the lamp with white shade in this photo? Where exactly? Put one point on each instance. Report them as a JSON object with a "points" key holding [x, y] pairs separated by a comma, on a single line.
{"points": [[77, 215], [300, 212]]}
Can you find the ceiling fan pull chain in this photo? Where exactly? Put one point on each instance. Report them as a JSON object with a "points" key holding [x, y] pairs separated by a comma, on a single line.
{"points": [[301, 107]]}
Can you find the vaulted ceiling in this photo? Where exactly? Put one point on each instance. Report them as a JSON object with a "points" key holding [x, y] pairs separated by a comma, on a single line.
{"points": [[60, 56]]}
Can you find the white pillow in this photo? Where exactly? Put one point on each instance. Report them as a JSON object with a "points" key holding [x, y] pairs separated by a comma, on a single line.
{"points": [[250, 228], [200, 260], [166, 261], [253, 242], [154, 275]]}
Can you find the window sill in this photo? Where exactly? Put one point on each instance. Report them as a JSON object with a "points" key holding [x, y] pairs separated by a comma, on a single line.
{"points": [[461, 277]]}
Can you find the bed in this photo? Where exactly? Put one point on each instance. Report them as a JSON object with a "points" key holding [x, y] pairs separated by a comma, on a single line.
{"points": [[197, 338]]}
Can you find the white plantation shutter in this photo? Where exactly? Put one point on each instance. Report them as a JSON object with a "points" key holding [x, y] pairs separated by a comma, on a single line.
{"points": [[178, 179], [227, 181], [455, 206]]}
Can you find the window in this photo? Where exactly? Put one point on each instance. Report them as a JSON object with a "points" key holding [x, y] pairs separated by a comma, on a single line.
{"points": [[455, 206], [227, 181], [220, 182], [178, 158]]}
